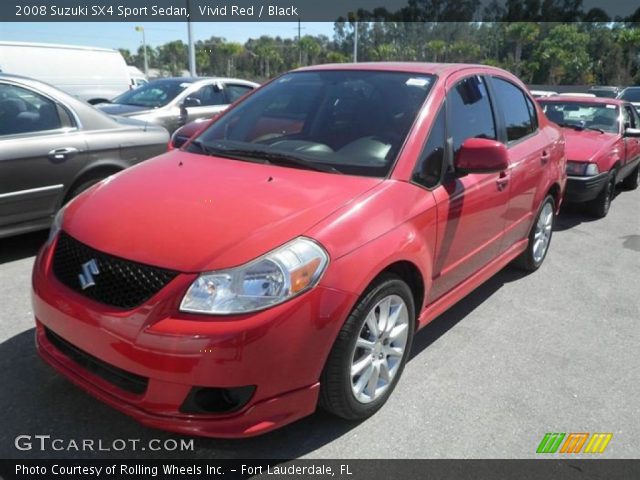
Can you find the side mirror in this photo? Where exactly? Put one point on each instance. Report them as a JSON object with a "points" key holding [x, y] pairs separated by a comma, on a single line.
{"points": [[191, 102], [481, 155], [632, 132]]}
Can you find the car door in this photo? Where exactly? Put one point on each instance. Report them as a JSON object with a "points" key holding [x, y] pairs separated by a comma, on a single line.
{"points": [[235, 91], [529, 151], [631, 144], [470, 207], [39, 139], [211, 99]]}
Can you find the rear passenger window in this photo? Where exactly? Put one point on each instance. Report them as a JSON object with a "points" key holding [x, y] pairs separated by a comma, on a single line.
{"points": [[471, 114], [429, 167], [24, 111], [517, 112]]}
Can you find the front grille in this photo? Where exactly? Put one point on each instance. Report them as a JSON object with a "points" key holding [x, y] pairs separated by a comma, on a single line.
{"points": [[119, 283], [129, 382]]}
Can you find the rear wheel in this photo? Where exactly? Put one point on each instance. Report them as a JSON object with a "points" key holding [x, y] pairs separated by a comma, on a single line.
{"points": [[633, 180], [370, 352], [85, 183], [599, 206], [539, 237]]}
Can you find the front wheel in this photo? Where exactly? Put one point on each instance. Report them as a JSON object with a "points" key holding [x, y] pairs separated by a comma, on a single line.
{"points": [[599, 206], [370, 352], [539, 237]]}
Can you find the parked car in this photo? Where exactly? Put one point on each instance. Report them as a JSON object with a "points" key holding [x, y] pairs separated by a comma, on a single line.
{"points": [[542, 93], [92, 74], [579, 94], [172, 102], [602, 145], [54, 146], [631, 95], [287, 255], [605, 91]]}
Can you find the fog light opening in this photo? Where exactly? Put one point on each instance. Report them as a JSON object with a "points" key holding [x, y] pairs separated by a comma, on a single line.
{"points": [[217, 400]]}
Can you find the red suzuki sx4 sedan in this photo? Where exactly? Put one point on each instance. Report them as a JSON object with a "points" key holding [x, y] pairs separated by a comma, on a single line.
{"points": [[284, 257]]}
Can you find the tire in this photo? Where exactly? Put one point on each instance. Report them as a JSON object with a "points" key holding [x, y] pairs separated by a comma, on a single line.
{"points": [[633, 179], [542, 230], [337, 385], [599, 206]]}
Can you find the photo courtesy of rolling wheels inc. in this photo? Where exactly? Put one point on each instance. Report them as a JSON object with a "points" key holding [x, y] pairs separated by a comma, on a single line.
{"points": [[389, 239]]}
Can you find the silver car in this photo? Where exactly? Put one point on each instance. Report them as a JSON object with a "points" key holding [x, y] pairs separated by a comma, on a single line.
{"points": [[53, 146], [173, 102]]}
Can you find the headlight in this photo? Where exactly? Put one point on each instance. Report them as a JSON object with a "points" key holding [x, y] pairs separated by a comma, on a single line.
{"points": [[582, 169], [56, 225], [267, 281]]}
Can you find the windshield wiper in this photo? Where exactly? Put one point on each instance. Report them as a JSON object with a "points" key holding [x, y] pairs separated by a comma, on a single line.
{"points": [[580, 127], [275, 158]]}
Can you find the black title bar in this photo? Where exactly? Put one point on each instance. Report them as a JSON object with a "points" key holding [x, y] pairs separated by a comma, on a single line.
{"points": [[316, 10]]}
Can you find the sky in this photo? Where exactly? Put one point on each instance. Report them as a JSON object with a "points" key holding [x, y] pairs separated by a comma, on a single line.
{"points": [[124, 35]]}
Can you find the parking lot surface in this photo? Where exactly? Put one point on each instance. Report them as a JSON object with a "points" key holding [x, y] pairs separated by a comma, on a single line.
{"points": [[553, 351]]}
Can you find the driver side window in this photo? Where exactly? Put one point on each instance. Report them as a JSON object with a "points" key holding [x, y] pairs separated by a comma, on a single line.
{"points": [[628, 118], [210, 96], [471, 112]]}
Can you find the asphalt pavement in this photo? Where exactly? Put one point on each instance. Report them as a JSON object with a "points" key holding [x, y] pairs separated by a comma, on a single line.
{"points": [[554, 351]]}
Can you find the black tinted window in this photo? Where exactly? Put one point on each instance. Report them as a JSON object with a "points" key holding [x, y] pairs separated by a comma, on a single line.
{"points": [[517, 114], [631, 94], [431, 162], [471, 114], [24, 111]]}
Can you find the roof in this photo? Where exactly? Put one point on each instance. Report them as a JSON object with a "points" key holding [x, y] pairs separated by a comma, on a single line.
{"points": [[56, 45], [440, 69], [576, 99]]}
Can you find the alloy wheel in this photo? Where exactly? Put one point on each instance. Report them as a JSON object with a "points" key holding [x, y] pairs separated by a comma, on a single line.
{"points": [[542, 235], [379, 349]]}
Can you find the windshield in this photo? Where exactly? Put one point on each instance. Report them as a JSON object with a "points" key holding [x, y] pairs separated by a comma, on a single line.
{"points": [[152, 95], [351, 122], [603, 117], [631, 94]]}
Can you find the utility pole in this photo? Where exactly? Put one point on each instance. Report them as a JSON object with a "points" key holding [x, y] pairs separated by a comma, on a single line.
{"points": [[355, 39], [192, 48], [299, 45], [144, 50]]}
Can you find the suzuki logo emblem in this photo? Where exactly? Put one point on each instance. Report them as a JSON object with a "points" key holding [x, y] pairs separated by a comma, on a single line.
{"points": [[89, 269]]}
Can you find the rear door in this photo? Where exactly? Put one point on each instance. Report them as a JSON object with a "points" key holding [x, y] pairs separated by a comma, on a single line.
{"points": [[471, 208], [529, 151], [39, 142]]}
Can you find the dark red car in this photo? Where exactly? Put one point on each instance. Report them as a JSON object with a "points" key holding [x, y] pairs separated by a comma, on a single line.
{"points": [[603, 147], [285, 257]]}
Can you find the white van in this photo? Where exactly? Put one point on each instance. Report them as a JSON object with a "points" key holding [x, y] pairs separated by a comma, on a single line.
{"points": [[92, 74]]}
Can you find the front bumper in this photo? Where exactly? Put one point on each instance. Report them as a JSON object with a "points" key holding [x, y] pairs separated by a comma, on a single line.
{"points": [[280, 351], [583, 189]]}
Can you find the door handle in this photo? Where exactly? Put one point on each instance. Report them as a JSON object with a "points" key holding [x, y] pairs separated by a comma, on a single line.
{"points": [[502, 181], [59, 154], [545, 157]]}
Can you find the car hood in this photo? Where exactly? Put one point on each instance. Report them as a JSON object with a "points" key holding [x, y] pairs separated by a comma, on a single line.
{"points": [[120, 109], [587, 145], [194, 213]]}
